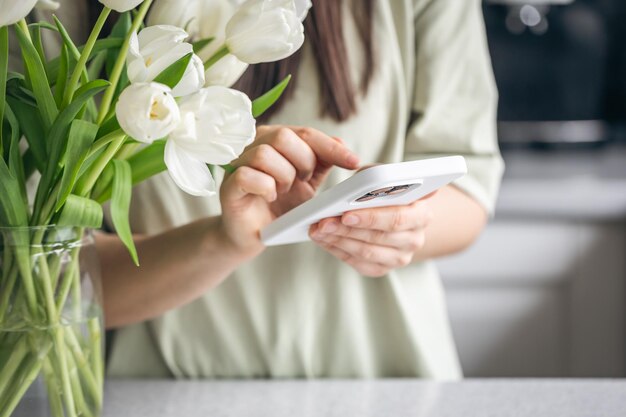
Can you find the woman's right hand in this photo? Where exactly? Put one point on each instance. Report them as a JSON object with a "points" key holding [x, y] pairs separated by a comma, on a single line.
{"points": [[281, 169]]}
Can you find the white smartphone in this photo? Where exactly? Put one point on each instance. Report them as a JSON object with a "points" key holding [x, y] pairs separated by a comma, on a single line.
{"points": [[378, 186]]}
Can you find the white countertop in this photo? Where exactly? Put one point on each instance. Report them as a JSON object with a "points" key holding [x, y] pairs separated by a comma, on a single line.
{"points": [[385, 398], [570, 184]]}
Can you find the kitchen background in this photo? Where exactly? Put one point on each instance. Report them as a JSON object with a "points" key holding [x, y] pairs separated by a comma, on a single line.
{"points": [[543, 292]]}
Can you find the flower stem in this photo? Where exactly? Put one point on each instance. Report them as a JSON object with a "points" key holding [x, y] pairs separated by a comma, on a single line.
{"points": [[56, 405], [7, 290], [102, 142], [92, 379], [66, 281], [68, 396], [20, 389], [77, 390], [95, 334], [83, 188], [24, 26], [18, 354], [221, 53], [119, 63], [82, 61]]}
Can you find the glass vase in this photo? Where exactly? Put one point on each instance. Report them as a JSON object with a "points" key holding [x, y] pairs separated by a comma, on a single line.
{"points": [[51, 338]]}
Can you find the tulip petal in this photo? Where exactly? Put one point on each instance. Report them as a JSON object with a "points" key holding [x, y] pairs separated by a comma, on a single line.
{"points": [[155, 37], [216, 126], [193, 78], [12, 11], [147, 111], [154, 49], [265, 31], [121, 5], [202, 19], [47, 5], [190, 174], [302, 8], [225, 72]]}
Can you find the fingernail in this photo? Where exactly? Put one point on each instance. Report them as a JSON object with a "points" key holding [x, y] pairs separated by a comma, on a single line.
{"points": [[330, 227], [350, 220]]}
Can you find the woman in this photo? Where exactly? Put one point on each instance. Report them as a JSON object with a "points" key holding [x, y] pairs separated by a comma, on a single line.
{"points": [[210, 301]]}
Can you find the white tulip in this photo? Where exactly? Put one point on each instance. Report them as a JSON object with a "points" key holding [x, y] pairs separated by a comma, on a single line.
{"points": [[47, 5], [216, 125], [225, 72], [12, 11], [264, 31], [158, 47], [188, 173], [203, 19], [147, 111], [121, 5], [302, 8]]}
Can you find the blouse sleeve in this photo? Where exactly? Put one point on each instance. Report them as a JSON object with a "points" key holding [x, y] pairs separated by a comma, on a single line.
{"points": [[455, 100]]}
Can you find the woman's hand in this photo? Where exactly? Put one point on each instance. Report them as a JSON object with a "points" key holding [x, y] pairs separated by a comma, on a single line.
{"points": [[377, 240], [282, 168]]}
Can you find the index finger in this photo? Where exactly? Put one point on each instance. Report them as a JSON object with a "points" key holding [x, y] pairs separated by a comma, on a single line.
{"points": [[328, 150], [391, 218]]}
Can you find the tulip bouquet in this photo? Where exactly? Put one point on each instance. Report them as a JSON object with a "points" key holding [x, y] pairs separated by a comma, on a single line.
{"points": [[82, 128]]}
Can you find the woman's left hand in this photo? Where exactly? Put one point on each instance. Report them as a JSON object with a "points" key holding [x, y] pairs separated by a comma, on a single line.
{"points": [[375, 241]]}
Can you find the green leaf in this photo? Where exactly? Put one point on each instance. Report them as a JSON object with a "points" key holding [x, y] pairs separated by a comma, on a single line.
{"points": [[94, 69], [103, 141], [109, 126], [15, 158], [13, 213], [12, 75], [172, 75], [4, 68], [32, 128], [120, 29], [261, 104], [148, 161], [102, 45], [120, 205], [122, 25], [43, 25], [89, 161], [4, 72], [62, 75], [16, 88], [67, 39], [57, 140], [45, 101], [80, 212], [75, 54], [80, 138], [144, 164], [200, 44], [61, 125], [35, 35], [30, 166]]}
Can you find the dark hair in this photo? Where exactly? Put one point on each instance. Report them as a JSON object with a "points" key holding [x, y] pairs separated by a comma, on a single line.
{"points": [[324, 33]]}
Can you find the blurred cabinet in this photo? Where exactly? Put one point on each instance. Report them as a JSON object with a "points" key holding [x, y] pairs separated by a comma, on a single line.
{"points": [[542, 298]]}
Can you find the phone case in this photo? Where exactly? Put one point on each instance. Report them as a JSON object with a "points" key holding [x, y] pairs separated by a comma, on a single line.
{"points": [[382, 185]]}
